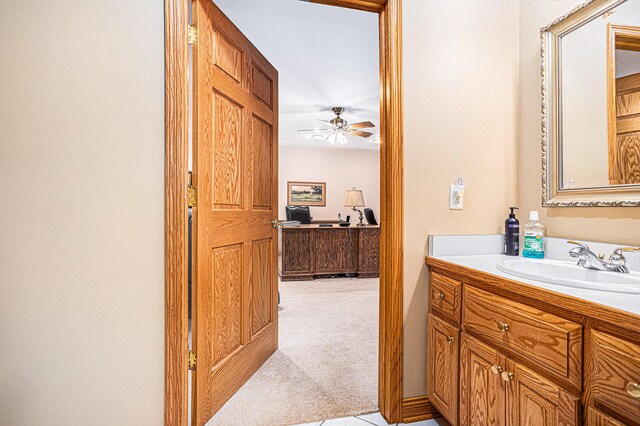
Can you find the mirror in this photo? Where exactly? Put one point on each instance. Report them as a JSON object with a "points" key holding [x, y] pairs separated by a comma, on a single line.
{"points": [[591, 106]]}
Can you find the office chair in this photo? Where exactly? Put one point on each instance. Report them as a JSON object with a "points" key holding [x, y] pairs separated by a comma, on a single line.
{"points": [[371, 218], [299, 213]]}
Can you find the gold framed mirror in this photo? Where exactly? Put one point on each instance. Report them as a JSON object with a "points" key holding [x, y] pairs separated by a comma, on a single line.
{"points": [[590, 66]]}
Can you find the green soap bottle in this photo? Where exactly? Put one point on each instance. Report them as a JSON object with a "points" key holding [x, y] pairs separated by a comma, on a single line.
{"points": [[533, 241]]}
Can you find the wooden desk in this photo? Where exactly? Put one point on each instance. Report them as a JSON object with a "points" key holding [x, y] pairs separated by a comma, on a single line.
{"points": [[311, 250]]}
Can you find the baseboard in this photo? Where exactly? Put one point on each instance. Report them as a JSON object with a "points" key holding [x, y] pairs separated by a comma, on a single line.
{"points": [[418, 408]]}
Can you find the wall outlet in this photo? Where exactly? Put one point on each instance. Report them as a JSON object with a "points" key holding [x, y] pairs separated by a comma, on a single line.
{"points": [[456, 197]]}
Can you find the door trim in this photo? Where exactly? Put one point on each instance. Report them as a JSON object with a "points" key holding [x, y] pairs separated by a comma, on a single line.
{"points": [[391, 212], [176, 211]]}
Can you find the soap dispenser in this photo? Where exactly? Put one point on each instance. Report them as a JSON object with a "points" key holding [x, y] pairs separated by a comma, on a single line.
{"points": [[512, 234]]}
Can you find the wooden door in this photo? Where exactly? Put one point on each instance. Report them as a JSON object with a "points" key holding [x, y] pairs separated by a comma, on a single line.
{"points": [[235, 174], [624, 156], [534, 401], [482, 394], [442, 367]]}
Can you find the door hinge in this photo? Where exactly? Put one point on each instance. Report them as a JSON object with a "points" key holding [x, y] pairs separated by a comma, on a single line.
{"points": [[192, 193], [192, 360], [192, 37]]}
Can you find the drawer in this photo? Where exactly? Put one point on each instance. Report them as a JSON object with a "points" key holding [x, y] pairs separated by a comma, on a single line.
{"points": [[550, 343], [615, 374], [444, 297]]}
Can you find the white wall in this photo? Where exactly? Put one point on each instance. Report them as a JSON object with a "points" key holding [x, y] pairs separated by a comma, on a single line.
{"points": [[340, 168], [81, 213], [461, 118]]}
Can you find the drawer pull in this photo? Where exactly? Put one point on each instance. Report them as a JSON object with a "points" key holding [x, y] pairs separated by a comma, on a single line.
{"points": [[503, 327], [450, 339], [496, 369], [633, 389], [506, 376], [440, 296]]}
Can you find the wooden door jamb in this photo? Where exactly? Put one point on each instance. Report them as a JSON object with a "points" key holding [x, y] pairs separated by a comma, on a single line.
{"points": [[176, 212]]}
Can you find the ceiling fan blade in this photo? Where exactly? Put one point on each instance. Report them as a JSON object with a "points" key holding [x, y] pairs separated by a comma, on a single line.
{"points": [[324, 121], [313, 130], [362, 125], [361, 134]]}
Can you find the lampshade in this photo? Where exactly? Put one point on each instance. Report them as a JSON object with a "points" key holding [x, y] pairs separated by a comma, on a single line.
{"points": [[354, 198], [337, 137]]}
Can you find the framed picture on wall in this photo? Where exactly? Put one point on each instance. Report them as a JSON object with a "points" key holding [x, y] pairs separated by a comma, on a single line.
{"points": [[307, 193]]}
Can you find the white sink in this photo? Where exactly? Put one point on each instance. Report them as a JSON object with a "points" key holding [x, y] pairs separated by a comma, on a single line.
{"points": [[571, 275]]}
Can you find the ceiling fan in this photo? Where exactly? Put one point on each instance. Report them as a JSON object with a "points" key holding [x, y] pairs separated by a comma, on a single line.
{"points": [[339, 128]]}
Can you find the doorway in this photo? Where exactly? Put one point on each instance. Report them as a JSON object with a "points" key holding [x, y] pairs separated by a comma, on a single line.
{"points": [[390, 331]]}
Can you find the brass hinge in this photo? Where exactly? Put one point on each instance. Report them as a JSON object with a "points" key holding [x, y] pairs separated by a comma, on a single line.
{"points": [[192, 37], [192, 193], [192, 360]]}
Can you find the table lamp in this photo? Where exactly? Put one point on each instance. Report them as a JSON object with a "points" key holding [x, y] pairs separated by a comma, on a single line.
{"points": [[355, 199]]}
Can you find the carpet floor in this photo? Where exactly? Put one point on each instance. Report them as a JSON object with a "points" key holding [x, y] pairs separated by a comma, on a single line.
{"points": [[327, 362]]}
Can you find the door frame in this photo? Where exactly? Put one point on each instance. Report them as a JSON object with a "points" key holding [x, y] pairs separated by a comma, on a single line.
{"points": [[391, 210]]}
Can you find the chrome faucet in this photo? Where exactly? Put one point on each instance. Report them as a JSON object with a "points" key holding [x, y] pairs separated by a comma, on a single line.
{"points": [[588, 259]]}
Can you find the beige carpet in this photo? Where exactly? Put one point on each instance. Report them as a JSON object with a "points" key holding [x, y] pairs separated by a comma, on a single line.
{"points": [[327, 363]]}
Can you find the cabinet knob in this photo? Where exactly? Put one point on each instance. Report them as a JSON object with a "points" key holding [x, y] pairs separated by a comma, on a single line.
{"points": [[496, 369], [506, 376], [450, 339], [440, 296], [633, 389], [503, 327]]}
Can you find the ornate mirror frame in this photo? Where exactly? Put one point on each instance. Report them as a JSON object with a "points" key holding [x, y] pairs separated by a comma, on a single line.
{"points": [[552, 194]]}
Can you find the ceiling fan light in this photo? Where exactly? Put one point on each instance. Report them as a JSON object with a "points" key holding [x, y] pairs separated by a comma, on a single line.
{"points": [[332, 138], [341, 139]]}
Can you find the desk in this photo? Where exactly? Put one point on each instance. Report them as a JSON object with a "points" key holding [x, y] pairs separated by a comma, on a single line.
{"points": [[311, 250]]}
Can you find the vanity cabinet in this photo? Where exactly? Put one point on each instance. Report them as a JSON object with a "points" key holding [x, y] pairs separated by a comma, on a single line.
{"points": [[502, 352]]}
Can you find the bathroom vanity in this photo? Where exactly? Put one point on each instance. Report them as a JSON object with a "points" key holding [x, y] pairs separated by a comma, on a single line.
{"points": [[511, 351]]}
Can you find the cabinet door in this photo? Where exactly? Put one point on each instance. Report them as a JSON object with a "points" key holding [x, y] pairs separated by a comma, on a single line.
{"points": [[598, 418], [534, 401], [482, 395], [442, 370]]}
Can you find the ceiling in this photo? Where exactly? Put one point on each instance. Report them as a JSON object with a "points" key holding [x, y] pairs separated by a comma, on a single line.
{"points": [[627, 62], [325, 56]]}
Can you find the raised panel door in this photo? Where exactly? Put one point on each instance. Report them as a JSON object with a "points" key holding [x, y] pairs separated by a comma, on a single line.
{"points": [[482, 395], [482, 392], [235, 250], [533, 400], [442, 367]]}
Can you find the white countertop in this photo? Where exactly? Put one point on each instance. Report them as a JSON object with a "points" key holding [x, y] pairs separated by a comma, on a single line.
{"points": [[487, 263]]}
